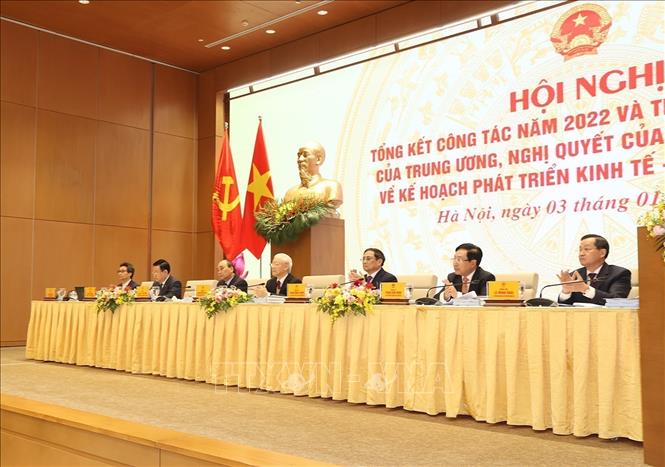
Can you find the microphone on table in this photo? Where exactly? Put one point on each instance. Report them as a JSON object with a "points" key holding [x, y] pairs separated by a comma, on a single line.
{"points": [[540, 301], [427, 300], [256, 285]]}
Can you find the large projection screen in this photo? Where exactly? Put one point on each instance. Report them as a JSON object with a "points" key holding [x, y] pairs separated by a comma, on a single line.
{"points": [[520, 138]]}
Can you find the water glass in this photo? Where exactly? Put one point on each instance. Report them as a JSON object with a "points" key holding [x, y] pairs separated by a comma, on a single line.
{"points": [[309, 288], [73, 296], [60, 294], [408, 291], [154, 293]]}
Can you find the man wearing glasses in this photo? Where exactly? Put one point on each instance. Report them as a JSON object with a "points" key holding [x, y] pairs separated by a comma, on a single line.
{"points": [[126, 277], [468, 275], [373, 260]]}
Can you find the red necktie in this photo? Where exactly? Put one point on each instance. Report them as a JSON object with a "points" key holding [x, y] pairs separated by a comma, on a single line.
{"points": [[465, 285], [279, 286]]}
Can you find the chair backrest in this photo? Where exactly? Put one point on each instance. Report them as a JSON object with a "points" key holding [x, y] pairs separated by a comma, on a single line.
{"points": [[530, 280], [634, 283], [319, 283], [212, 283], [421, 283], [256, 280]]}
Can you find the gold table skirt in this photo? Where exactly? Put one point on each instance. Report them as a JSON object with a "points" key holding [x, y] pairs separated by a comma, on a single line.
{"points": [[576, 371]]}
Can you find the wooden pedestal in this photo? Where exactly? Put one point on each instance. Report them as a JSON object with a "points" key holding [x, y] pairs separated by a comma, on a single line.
{"points": [[652, 345], [318, 251]]}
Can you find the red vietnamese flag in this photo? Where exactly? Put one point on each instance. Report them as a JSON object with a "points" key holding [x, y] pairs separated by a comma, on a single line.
{"points": [[259, 190], [226, 215]]}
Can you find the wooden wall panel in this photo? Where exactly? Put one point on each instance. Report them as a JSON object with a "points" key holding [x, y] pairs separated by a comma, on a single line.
{"points": [[125, 89], [122, 176], [17, 160], [347, 38], [68, 77], [242, 71], [204, 266], [205, 114], [18, 65], [292, 55], [63, 255], [176, 248], [114, 245], [173, 183], [15, 276], [65, 167], [206, 179], [407, 19], [175, 102]]}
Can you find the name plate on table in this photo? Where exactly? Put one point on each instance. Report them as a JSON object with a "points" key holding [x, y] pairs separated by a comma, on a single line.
{"points": [[49, 293], [503, 290], [295, 293], [142, 293], [89, 293], [393, 293], [503, 293], [202, 290]]}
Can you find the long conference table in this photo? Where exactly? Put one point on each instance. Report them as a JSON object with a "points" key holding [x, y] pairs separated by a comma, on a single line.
{"points": [[574, 370]]}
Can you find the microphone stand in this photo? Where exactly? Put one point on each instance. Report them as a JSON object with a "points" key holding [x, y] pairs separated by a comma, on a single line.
{"points": [[540, 301]]}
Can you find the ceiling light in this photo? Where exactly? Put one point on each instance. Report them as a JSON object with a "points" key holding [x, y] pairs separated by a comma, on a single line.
{"points": [[244, 23], [84, 2], [200, 40], [226, 47], [322, 12], [270, 31]]}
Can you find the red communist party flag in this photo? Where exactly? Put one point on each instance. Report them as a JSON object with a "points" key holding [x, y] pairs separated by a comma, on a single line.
{"points": [[226, 215], [259, 190]]}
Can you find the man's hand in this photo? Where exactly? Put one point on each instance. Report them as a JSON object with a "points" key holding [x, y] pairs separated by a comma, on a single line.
{"points": [[261, 291], [566, 276], [449, 291], [354, 275]]}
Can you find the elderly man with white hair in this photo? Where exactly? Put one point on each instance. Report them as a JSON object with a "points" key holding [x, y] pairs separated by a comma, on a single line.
{"points": [[281, 274]]}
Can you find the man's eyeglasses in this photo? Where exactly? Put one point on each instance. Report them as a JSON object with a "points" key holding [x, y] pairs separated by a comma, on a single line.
{"points": [[458, 260]]}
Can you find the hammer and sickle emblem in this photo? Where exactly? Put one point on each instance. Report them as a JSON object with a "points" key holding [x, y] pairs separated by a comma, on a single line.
{"points": [[226, 206]]}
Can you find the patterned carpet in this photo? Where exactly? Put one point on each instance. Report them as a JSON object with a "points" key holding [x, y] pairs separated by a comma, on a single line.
{"points": [[325, 430]]}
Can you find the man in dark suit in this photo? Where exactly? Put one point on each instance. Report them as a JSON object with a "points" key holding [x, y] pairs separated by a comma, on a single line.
{"points": [[227, 276], [169, 286], [281, 274], [599, 279], [126, 277], [468, 276], [373, 260]]}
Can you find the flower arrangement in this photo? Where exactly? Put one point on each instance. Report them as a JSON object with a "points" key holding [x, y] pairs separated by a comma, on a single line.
{"points": [[222, 299], [111, 299], [283, 221], [654, 221], [357, 298]]}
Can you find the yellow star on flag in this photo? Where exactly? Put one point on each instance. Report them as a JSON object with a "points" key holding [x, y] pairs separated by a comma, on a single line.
{"points": [[259, 186], [579, 20]]}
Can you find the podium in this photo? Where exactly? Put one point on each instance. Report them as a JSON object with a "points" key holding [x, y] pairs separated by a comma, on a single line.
{"points": [[652, 346], [319, 250]]}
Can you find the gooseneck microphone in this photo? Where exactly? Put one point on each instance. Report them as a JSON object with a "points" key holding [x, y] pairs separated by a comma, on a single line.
{"points": [[256, 285], [540, 301], [427, 300]]}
